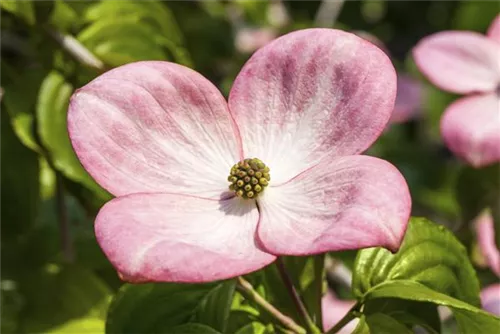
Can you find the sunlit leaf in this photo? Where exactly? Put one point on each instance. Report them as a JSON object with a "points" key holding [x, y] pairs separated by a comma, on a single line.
{"points": [[51, 112], [430, 254], [61, 294], [23, 9]]}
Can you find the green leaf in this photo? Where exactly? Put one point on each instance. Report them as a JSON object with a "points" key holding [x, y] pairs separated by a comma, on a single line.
{"points": [[407, 312], [152, 308], [470, 319], [429, 254], [383, 323], [51, 111], [192, 328], [58, 295], [252, 328], [20, 183], [306, 274], [82, 326], [125, 31], [214, 309], [22, 9]]}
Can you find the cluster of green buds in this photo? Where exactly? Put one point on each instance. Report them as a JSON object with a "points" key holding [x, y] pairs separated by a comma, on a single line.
{"points": [[249, 178]]}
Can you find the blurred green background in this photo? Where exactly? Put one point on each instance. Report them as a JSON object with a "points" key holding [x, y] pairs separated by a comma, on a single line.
{"points": [[54, 278]]}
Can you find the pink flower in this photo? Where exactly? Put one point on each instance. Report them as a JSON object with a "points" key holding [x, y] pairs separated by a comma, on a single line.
{"points": [[161, 138], [490, 299], [334, 310], [409, 91], [248, 40], [485, 232], [408, 99], [467, 63]]}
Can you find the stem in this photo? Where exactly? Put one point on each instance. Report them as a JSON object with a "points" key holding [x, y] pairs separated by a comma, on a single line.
{"points": [[296, 298], [76, 50], [247, 290], [328, 12], [62, 213], [345, 320]]}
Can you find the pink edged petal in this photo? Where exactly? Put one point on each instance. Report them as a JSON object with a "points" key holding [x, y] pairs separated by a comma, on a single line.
{"points": [[490, 299], [459, 61], [154, 127], [342, 203], [334, 310], [470, 128], [408, 99], [494, 29], [486, 239], [177, 238], [312, 93]]}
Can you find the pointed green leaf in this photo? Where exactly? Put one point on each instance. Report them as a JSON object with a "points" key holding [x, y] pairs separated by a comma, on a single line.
{"points": [[429, 254], [126, 31], [58, 295], [152, 308], [51, 112], [191, 328], [470, 318], [215, 307], [383, 323], [23, 9]]}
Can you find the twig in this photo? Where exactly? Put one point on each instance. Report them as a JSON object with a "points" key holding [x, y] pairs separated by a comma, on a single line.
{"points": [[247, 290], [77, 50], [62, 213], [328, 12], [295, 297]]}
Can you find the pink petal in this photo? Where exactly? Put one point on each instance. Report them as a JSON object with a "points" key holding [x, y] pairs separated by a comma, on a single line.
{"points": [[334, 310], [408, 99], [177, 238], [372, 39], [494, 29], [490, 299], [459, 61], [154, 127], [342, 203], [486, 238], [470, 128], [309, 94]]}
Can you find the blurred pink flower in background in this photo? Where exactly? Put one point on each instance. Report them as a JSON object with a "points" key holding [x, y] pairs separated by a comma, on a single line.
{"points": [[161, 138], [408, 99], [490, 299], [485, 232], [334, 309], [467, 63], [410, 93], [248, 40]]}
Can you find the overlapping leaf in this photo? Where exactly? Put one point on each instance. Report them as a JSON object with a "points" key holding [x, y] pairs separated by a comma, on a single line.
{"points": [[119, 32], [430, 267], [154, 308]]}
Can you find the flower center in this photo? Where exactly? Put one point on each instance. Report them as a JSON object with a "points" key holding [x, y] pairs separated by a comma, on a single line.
{"points": [[249, 178]]}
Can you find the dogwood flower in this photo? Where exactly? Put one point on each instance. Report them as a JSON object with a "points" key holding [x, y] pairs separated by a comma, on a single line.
{"points": [[409, 91], [208, 190], [485, 231], [490, 299], [468, 63]]}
